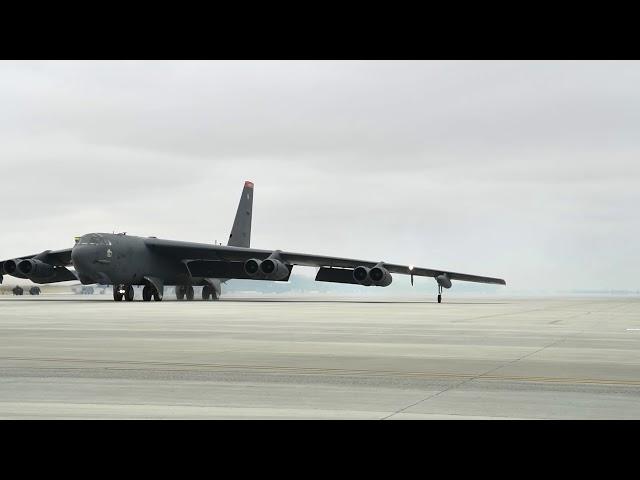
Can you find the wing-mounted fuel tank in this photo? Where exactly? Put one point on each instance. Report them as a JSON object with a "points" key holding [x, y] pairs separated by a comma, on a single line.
{"points": [[443, 280]]}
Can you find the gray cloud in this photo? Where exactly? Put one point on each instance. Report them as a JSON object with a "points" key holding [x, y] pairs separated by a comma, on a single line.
{"points": [[527, 170]]}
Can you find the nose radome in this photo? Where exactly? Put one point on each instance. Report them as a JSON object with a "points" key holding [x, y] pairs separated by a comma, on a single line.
{"points": [[82, 256]]}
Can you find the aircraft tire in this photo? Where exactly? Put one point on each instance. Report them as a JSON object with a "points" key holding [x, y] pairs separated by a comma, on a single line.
{"points": [[206, 292], [156, 296], [180, 291], [190, 293], [146, 293], [117, 296], [439, 298], [129, 293]]}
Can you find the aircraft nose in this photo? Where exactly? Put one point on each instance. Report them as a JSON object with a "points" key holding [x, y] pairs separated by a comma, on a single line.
{"points": [[83, 257], [79, 255]]}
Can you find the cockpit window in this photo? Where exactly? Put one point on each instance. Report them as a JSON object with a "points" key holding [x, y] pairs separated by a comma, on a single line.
{"points": [[93, 239]]}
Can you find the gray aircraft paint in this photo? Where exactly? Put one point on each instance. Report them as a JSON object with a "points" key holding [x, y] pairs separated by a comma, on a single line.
{"points": [[123, 260], [241, 232]]}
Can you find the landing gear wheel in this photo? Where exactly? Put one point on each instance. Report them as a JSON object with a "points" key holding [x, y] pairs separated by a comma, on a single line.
{"points": [[439, 298], [214, 294], [129, 293], [190, 293], [439, 293], [117, 296], [206, 292], [156, 296], [180, 291], [146, 293]]}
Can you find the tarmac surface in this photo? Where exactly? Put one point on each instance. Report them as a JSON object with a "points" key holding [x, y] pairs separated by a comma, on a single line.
{"points": [[73, 356]]}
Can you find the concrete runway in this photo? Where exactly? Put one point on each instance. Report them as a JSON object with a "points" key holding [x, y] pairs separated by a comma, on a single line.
{"points": [[72, 356]]}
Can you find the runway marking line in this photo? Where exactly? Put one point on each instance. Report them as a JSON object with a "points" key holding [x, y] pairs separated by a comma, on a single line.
{"points": [[321, 370]]}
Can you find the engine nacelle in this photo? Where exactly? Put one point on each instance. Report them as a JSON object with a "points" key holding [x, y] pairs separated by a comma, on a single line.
{"points": [[252, 268], [443, 281], [274, 269], [361, 276], [35, 269], [380, 276], [10, 266]]}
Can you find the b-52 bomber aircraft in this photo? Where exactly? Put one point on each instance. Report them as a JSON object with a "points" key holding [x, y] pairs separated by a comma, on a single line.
{"points": [[124, 260]]}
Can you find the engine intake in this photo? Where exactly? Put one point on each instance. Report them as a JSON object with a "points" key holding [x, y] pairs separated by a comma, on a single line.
{"points": [[10, 266], [35, 269], [252, 268], [380, 276], [361, 276], [271, 268], [274, 269]]}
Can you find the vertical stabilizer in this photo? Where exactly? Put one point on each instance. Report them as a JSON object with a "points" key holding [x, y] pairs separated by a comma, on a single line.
{"points": [[241, 231]]}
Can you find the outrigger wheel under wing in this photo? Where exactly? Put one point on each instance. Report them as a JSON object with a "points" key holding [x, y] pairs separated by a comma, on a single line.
{"points": [[228, 261]]}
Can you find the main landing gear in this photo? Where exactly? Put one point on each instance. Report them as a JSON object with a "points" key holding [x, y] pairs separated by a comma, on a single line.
{"points": [[186, 292], [183, 291], [127, 293], [439, 293], [208, 292], [123, 291], [149, 291]]}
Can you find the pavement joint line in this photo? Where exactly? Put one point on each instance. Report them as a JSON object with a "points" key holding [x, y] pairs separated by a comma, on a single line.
{"points": [[527, 311], [488, 372], [596, 345]]}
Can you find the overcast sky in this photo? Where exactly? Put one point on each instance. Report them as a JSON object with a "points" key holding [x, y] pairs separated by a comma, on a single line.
{"points": [[529, 171]]}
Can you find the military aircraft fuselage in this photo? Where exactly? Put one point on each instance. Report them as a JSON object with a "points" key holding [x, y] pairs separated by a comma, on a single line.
{"points": [[116, 259], [125, 260]]}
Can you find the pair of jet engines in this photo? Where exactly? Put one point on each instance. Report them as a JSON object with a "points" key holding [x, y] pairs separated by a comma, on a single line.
{"points": [[271, 268], [29, 268], [378, 276]]}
